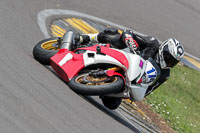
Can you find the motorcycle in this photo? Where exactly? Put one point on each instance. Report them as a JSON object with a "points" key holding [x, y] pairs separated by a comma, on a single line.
{"points": [[97, 69]]}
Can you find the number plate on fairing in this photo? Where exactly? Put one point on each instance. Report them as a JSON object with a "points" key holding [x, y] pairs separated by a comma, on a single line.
{"points": [[151, 73]]}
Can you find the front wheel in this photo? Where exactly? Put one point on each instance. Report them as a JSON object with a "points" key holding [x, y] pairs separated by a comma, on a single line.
{"points": [[45, 49], [111, 102], [86, 84]]}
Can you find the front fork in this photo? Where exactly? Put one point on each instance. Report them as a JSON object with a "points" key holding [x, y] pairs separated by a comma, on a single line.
{"points": [[113, 72], [125, 94], [109, 72]]}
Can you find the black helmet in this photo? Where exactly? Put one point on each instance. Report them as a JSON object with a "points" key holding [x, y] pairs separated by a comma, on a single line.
{"points": [[170, 53]]}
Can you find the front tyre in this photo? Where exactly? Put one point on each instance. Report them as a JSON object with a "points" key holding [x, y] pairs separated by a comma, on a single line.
{"points": [[45, 49], [86, 84], [111, 102]]}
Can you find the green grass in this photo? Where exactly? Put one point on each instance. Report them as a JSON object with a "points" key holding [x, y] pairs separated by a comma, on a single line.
{"points": [[178, 100]]}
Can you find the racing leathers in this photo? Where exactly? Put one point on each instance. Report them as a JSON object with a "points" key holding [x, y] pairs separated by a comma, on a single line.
{"points": [[146, 46]]}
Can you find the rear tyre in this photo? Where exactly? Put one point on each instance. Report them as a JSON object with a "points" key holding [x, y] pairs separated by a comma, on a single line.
{"points": [[45, 49], [87, 85], [111, 102]]}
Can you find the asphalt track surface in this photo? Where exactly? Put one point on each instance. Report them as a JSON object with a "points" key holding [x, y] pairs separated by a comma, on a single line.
{"points": [[34, 100]]}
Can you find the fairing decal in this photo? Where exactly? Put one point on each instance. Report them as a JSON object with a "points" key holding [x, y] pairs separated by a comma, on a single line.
{"points": [[73, 63], [111, 52], [99, 58]]}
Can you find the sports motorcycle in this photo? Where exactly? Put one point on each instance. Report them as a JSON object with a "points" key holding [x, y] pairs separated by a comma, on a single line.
{"points": [[97, 69]]}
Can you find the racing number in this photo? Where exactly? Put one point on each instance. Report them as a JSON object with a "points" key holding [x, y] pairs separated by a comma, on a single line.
{"points": [[151, 73]]}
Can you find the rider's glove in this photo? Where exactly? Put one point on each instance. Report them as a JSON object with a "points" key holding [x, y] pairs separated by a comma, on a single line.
{"points": [[129, 41]]}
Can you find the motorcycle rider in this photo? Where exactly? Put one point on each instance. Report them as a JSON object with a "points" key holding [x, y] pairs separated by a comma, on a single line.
{"points": [[166, 54]]}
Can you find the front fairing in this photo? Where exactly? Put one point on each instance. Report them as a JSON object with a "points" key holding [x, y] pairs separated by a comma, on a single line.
{"points": [[147, 77], [67, 63], [136, 64]]}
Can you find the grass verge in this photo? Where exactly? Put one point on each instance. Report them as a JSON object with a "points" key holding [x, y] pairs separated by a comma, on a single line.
{"points": [[178, 100]]}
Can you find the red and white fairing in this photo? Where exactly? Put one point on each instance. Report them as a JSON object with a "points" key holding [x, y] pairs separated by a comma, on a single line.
{"points": [[68, 64]]}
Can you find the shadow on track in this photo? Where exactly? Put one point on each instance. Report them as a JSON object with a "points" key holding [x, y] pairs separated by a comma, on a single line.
{"points": [[102, 108], [111, 113]]}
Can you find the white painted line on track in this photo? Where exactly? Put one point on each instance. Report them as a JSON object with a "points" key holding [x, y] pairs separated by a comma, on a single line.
{"points": [[43, 15], [127, 120]]}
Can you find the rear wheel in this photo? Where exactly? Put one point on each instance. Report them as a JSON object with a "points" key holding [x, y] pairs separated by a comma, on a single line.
{"points": [[86, 84], [45, 49]]}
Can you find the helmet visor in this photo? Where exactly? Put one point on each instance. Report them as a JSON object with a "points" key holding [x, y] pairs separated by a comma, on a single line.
{"points": [[169, 59]]}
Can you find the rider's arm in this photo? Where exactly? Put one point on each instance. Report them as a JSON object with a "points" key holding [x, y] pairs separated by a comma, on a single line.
{"points": [[128, 38], [149, 46], [142, 40]]}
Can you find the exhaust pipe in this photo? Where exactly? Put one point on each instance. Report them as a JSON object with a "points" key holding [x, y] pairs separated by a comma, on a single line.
{"points": [[67, 40]]}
